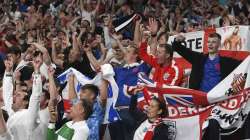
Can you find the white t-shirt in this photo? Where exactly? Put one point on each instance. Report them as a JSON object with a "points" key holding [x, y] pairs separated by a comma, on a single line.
{"points": [[87, 15]]}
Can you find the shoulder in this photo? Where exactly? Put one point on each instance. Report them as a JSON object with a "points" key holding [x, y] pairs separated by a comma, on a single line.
{"points": [[176, 67], [161, 132], [81, 126], [162, 127], [98, 106]]}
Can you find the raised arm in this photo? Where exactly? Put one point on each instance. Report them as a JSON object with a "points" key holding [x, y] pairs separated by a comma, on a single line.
{"points": [[104, 52], [8, 87], [52, 86], [137, 33], [96, 7], [55, 59], [71, 24], [46, 56], [72, 92], [82, 5], [51, 135], [17, 76], [103, 92], [189, 55], [3, 129], [115, 37], [34, 103], [107, 24], [4, 135], [92, 58], [145, 56], [75, 41], [153, 28]]}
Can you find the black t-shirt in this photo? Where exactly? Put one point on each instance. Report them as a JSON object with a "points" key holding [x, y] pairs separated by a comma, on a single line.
{"points": [[82, 66]]}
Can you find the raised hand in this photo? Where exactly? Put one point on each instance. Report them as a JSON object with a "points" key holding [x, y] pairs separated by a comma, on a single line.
{"points": [[51, 71], [9, 62], [74, 35], [52, 111], [37, 62], [152, 26], [87, 48], [138, 19], [54, 41], [107, 20], [180, 37]]}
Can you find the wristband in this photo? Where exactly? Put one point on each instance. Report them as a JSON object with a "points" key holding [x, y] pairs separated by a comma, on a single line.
{"points": [[8, 74]]}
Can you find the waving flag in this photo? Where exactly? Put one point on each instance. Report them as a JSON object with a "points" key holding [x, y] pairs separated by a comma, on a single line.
{"points": [[228, 103], [80, 80]]}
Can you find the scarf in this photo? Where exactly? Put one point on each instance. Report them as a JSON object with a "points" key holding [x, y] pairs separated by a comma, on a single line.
{"points": [[150, 133]]}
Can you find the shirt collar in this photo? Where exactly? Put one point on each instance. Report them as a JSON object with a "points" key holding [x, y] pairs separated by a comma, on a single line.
{"points": [[131, 65]]}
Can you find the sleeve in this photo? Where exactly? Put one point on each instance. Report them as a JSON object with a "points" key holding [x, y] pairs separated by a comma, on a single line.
{"points": [[8, 89], [107, 38], [34, 102], [51, 135], [189, 55], [145, 56]]}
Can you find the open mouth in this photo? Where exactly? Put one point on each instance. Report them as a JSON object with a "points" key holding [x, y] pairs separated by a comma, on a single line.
{"points": [[210, 48]]}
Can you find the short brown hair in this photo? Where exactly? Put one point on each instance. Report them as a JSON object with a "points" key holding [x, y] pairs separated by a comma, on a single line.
{"points": [[166, 35], [88, 108], [168, 49], [213, 35]]}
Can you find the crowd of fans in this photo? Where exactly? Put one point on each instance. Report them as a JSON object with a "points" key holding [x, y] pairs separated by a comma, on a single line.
{"points": [[40, 39]]}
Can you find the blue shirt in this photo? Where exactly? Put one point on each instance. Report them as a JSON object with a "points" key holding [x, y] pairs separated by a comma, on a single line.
{"points": [[127, 76], [22, 7], [97, 53], [95, 120], [211, 74]]}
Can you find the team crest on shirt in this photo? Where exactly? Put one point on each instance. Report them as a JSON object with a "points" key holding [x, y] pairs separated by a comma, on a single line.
{"points": [[165, 76]]}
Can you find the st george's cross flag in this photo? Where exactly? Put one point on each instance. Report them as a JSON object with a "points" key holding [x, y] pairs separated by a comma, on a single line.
{"points": [[228, 103]]}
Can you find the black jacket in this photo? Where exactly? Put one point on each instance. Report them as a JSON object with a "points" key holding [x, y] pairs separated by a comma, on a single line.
{"points": [[227, 65]]}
